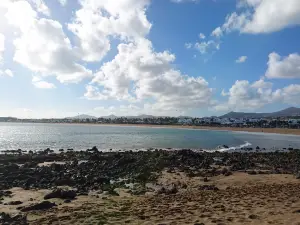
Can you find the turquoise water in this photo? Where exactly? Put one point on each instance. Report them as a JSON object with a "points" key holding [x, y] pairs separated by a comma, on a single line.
{"points": [[80, 137]]}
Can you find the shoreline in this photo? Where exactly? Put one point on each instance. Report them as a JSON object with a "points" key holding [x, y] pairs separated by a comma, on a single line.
{"points": [[160, 187], [282, 131]]}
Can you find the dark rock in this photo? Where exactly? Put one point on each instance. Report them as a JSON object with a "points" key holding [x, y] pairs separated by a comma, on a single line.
{"points": [[297, 176], [297, 211], [67, 201], [253, 217], [60, 193], [13, 220], [228, 173], [40, 206], [14, 203], [208, 188], [5, 194], [252, 172]]}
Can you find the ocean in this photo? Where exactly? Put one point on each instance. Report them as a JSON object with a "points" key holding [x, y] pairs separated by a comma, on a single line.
{"points": [[33, 136]]}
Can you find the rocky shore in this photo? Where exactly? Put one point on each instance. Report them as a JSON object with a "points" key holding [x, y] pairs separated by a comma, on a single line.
{"points": [[146, 187]]}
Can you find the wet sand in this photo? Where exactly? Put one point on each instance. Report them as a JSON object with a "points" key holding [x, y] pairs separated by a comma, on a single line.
{"points": [[241, 199]]}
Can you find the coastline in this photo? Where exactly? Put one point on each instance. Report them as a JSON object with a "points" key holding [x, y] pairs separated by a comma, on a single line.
{"points": [[284, 131], [162, 187]]}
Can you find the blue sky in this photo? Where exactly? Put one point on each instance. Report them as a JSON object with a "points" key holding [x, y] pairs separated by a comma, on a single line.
{"points": [[163, 57]]}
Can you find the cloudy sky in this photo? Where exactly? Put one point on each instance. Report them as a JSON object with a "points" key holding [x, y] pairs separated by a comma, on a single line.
{"points": [[163, 57]]}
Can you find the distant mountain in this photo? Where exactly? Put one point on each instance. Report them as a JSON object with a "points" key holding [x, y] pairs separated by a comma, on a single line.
{"points": [[109, 117], [289, 112], [82, 117]]}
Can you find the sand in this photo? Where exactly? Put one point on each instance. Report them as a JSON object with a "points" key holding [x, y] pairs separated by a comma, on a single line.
{"points": [[241, 199]]}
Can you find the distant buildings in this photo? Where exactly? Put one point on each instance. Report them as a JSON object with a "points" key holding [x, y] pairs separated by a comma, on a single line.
{"points": [[205, 121]]}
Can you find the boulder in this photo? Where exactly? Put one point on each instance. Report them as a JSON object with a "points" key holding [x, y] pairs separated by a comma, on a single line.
{"points": [[11, 220], [14, 203], [60, 193], [39, 206]]}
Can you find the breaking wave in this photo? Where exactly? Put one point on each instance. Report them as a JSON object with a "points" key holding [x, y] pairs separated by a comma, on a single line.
{"points": [[223, 149]]}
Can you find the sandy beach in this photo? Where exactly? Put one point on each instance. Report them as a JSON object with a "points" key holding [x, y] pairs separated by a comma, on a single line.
{"points": [[153, 187], [240, 199]]}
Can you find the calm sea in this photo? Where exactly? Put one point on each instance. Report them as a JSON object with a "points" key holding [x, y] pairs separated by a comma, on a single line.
{"points": [[80, 137]]}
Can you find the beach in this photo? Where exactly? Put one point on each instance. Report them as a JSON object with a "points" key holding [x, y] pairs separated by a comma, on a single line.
{"points": [[152, 187], [286, 131]]}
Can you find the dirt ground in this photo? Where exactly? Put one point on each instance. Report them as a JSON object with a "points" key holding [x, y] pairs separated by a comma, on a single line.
{"points": [[241, 199]]}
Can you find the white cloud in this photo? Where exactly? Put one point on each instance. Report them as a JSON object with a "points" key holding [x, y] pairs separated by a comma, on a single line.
{"points": [[41, 7], [246, 96], [241, 59], [139, 73], [2, 47], [202, 36], [217, 32], [43, 47], [288, 67], [135, 110], [96, 21], [262, 16], [63, 2], [205, 46], [7, 72], [188, 45], [289, 94], [39, 83]]}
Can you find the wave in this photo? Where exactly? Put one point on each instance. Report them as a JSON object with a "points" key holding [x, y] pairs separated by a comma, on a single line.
{"points": [[246, 144]]}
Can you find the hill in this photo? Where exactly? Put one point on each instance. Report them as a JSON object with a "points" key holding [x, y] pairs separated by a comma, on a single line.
{"points": [[289, 112], [82, 116]]}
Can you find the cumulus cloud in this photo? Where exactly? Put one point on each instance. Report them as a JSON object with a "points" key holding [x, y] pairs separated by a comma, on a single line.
{"points": [[44, 48], [202, 36], [139, 73], [188, 45], [262, 16], [6, 72], [279, 67], [244, 95], [39, 83], [205, 46], [63, 2], [217, 32], [96, 21], [241, 59], [42, 45], [289, 95]]}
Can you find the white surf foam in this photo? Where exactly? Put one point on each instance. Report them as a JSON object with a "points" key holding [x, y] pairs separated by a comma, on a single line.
{"points": [[247, 144]]}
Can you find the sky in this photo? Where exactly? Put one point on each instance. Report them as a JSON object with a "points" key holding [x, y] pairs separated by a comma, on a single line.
{"points": [[61, 58]]}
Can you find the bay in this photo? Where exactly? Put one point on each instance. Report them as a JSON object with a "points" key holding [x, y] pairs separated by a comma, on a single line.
{"points": [[35, 136]]}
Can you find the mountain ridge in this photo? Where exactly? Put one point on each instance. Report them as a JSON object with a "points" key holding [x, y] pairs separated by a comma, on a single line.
{"points": [[288, 112]]}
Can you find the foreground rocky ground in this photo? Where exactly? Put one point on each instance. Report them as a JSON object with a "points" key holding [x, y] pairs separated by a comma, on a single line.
{"points": [[153, 187]]}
